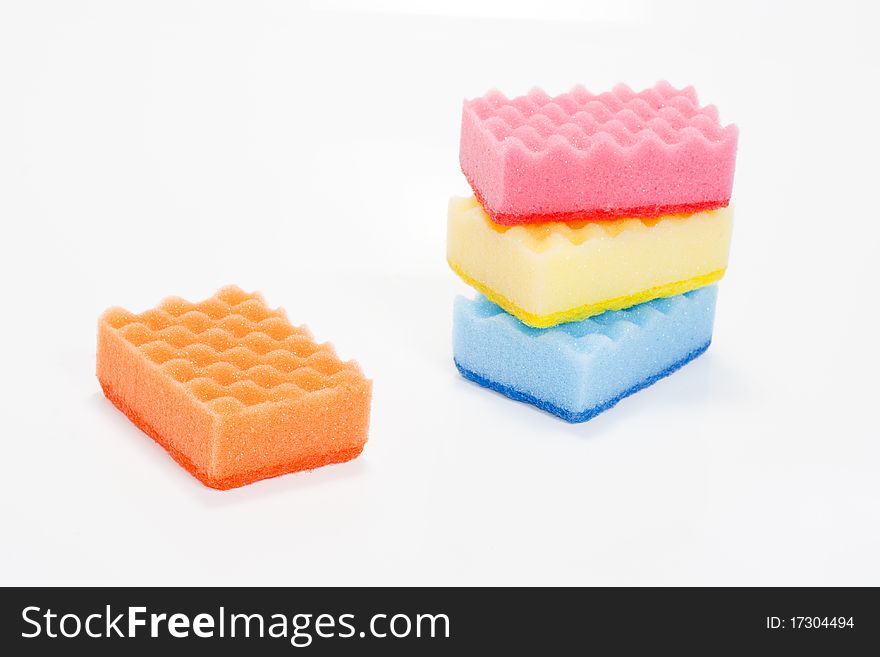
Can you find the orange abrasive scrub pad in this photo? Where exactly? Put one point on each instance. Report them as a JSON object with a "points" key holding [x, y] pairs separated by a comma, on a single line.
{"points": [[231, 390]]}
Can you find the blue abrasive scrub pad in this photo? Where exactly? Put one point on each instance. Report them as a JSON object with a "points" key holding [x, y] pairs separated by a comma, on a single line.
{"points": [[579, 369]]}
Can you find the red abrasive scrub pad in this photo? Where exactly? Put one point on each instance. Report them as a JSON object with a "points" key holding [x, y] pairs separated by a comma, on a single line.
{"points": [[581, 156]]}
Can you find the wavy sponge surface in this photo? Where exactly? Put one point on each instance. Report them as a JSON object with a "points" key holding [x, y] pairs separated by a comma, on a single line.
{"points": [[231, 389], [580, 369], [549, 273], [579, 156]]}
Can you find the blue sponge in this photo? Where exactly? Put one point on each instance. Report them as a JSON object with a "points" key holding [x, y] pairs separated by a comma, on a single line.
{"points": [[579, 369]]}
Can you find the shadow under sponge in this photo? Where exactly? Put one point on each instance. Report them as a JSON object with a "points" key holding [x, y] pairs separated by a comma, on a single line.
{"points": [[579, 369], [231, 389]]}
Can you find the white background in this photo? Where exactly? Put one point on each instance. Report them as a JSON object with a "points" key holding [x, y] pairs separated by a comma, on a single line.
{"points": [[158, 148]]}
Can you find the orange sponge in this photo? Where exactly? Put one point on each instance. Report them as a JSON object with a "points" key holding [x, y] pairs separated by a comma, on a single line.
{"points": [[231, 390]]}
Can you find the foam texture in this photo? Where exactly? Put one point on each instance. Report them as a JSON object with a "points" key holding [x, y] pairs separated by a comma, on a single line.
{"points": [[580, 369], [583, 156], [549, 273], [230, 389]]}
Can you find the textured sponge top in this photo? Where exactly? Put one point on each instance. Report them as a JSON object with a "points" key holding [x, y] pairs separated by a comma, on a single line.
{"points": [[233, 352], [580, 155], [595, 333]]}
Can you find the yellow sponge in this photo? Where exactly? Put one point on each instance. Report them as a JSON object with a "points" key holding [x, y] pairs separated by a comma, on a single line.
{"points": [[549, 273]]}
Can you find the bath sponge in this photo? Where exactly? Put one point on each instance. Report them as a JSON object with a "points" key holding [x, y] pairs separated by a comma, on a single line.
{"points": [[553, 272], [580, 369], [230, 389], [582, 156]]}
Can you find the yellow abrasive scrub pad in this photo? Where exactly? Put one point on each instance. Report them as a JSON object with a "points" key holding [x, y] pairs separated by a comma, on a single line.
{"points": [[549, 273]]}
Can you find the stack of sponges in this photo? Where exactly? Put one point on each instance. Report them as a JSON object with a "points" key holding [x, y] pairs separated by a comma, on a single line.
{"points": [[598, 225]]}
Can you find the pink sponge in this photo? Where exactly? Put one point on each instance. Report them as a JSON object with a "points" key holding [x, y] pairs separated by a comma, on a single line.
{"points": [[580, 156]]}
